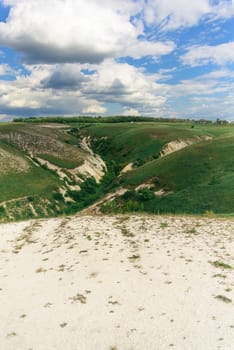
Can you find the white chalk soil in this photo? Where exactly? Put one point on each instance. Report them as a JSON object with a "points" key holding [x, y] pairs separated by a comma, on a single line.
{"points": [[117, 283]]}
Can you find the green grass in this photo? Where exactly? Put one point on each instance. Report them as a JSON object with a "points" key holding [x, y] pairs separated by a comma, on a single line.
{"points": [[139, 143], [198, 179], [201, 178], [221, 264], [36, 181], [61, 162]]}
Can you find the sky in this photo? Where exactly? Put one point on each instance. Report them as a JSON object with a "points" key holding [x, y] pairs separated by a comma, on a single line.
{"points": [[162, 58]]}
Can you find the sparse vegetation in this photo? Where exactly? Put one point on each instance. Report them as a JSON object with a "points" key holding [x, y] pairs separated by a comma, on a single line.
{"points": [[221, 265], [134, 257], [79, 297], [224, 299]]}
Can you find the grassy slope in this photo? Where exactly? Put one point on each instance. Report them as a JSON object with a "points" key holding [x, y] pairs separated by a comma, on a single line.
{"points": [[144, 141], [56, 146], [34, 181], [201, 175]]}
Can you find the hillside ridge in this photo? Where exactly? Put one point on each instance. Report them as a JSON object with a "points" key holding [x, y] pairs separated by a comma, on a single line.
{"points": [[56, 169]]}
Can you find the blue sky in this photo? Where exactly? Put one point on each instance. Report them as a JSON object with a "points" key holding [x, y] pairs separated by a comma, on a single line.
{"points": [[158, 58]]}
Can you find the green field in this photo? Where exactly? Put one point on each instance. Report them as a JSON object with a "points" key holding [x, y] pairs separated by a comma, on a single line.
{"points": [[198, 179]]}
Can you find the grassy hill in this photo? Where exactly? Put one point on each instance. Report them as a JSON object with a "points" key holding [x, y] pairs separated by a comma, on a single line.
{"points": [[48, 169]]}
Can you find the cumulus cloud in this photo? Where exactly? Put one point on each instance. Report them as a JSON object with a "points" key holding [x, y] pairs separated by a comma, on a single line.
{"points": [[68, 31], [201, 55], [177, 13], [130, 111], [70, 51], [65, 89], [131, 89], [126, 85], [206, 96], [174, 14], [65, 76], [5, 69]]}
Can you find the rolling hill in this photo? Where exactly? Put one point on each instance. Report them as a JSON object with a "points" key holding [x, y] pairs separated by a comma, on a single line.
{"points": [[50, 168]]}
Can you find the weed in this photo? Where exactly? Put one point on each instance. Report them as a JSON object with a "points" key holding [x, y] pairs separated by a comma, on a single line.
{"points": [[79, 297], [221, 264], [64, 324], [224, 299], [134, 257], [210, 214], [113, 302], [192, 231], [126, 232], [40, 270], [220, 275]]}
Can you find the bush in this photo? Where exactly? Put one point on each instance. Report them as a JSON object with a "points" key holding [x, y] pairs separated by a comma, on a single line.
{"points": [[58, 196], [2, 211], [145, 194]]}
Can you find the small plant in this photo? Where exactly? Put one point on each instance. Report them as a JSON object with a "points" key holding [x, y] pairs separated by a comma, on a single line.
{"points": [[93, 274], [134, 257], [58, 196], [221, 264], [79, 297], [121, 219], [64, 324], [192, 231], [126, 232], [163, 224], [113, 302], [210, 214], [224, 299], [220, 275], [12, 334], [40, 270]]}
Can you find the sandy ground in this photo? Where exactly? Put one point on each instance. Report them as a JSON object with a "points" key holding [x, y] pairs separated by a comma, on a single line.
{"points": [[117, 283]]}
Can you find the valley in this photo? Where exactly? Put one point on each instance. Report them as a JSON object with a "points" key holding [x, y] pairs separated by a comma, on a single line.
{"points": [[50, 168]]}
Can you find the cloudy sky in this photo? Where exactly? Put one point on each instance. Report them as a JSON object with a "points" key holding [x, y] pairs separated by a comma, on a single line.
{"points": [[164, 58]]}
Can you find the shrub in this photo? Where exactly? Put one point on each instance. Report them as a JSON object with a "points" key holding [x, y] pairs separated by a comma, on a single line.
{"points": [[145, 194], [2, 211], [58, 196]]}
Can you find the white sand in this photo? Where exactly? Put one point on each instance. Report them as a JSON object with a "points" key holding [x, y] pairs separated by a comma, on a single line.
{"points": [[68, 284]]}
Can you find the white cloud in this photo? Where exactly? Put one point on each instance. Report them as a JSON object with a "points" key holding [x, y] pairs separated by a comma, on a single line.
{"points": [[71, 49], [131, 89], [5, 69], [138, 49], [174, 14], [127, 85], [201, 55], [224, 9], [94, 109], [64, 89], [207, 96], [130, 111], [59, 31]]}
